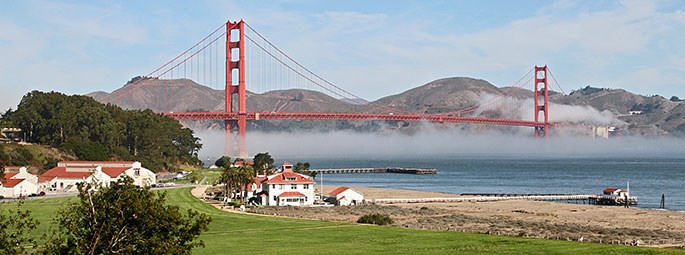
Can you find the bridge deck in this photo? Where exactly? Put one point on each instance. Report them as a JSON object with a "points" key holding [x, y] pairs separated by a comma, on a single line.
{"points": [[351, 116]]}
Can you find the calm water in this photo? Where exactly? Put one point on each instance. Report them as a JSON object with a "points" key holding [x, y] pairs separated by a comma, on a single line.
{"points": [[649, 177]]}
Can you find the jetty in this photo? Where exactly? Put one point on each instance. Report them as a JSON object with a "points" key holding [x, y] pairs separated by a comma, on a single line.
{"points": [[485, 197], [399, 170]]}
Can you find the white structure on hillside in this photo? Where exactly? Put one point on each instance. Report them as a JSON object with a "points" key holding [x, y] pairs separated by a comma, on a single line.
{"points": [[285, 188], [346, 196], [67, 174], [18, 182]]}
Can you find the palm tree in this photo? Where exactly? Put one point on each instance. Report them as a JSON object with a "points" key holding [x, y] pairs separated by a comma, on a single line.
{"points": [[246, 176]]}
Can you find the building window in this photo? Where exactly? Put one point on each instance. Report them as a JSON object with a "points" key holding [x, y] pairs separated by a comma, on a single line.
{"points": [[280, 186], [306, 186], [273, 186], [293, 186], [136, 171], [275, 198]]}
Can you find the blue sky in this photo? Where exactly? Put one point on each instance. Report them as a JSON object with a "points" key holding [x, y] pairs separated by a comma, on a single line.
{"points": [[371, 48]]}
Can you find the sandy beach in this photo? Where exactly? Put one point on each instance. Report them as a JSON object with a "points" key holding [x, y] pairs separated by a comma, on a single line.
{"points": [[535, 219]]}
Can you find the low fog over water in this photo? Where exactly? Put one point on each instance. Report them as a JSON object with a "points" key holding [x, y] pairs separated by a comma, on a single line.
{"points": [[432, 142]]}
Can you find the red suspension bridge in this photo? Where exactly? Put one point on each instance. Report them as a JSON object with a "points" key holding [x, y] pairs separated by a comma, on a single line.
{"points": [[223, 60]]}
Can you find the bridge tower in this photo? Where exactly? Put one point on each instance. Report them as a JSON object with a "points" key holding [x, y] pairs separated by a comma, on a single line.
{"points": [[541, 98], [235, 65]]}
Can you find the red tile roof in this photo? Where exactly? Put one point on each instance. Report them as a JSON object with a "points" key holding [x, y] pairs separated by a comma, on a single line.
{"points": [[10, 175], [291, 194], [288, 177], [9, 182], [98, 162], [257, 180], [62, 172], [13, 167], [114, 172], [240, 163], [337, 191], [610, 190], [42, 179]]}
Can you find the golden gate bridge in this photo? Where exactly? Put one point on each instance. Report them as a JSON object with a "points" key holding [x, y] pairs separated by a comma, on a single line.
{"points": [[235, 54]]}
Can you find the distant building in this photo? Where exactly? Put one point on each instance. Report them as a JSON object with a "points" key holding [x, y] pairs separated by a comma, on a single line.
{"points": [[635, 112], [285, 188], [10, 135], [615, 192], [67, 174], [18, 182], [345, 196]]}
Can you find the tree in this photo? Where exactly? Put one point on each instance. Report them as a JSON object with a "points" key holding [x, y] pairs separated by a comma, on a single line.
{"points": [[246, 175], [124, 219], [302, 168], [263, 163], [94, 131], [223, 161], [229, 178], [675, 99], [14, 230]]}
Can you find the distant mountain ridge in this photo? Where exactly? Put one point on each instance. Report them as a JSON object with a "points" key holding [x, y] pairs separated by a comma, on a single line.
{"points": [[660, 116]]}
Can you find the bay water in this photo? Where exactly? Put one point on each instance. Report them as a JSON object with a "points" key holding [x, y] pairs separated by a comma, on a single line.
{"points": [[649, 177]]}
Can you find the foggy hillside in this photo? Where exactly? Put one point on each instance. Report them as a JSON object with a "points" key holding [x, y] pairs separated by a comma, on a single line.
{"points": [[587, 106]]}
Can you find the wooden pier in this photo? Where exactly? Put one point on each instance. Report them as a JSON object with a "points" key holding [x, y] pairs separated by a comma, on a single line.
{"points": [[589, 198], [399, 170]]}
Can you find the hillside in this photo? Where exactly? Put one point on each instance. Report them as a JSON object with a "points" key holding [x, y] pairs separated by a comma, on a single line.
{"points": [[443, 95], [186, 95], [660, 115], [38, 158]]}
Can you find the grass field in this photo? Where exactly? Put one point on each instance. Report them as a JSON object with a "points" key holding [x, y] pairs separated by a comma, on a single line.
{"points": [[232, 233]]}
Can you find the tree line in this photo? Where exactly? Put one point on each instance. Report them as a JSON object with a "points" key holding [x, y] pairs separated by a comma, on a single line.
{"points": [[93, 131]]}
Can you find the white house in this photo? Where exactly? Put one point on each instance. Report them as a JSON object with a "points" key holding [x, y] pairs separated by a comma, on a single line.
{"points": [[346, 196], [285, 188], [18, 182], [67, 174]]}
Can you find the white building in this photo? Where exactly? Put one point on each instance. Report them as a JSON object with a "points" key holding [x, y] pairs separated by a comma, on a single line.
{"points": [[18, 182], [67, 174], [346, 196], [285, 188]]}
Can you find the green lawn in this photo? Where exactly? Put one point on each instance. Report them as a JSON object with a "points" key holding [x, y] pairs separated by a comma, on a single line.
{"points": [[232, 233]]}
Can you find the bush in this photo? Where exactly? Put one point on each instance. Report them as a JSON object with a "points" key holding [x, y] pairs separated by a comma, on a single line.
{"points": [[375, 218]]}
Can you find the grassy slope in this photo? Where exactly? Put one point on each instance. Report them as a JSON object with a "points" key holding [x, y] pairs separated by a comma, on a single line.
{"points": [[248, 234]]}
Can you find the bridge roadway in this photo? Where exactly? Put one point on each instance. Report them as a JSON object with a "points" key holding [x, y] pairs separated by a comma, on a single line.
{"points": [[352, 117]]}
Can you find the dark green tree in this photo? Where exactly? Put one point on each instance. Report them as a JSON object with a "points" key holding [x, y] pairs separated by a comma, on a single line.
{"points": [[14, 230], [300, 167], [263, 163], [94, 131], [223, 161], [124, 219]]}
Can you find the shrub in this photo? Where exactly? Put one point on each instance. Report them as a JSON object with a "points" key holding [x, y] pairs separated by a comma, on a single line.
{"points": [[375, 218]]}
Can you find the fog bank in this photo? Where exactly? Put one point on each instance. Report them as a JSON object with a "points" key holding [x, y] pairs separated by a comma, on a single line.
{"points": [[438, 143]]}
